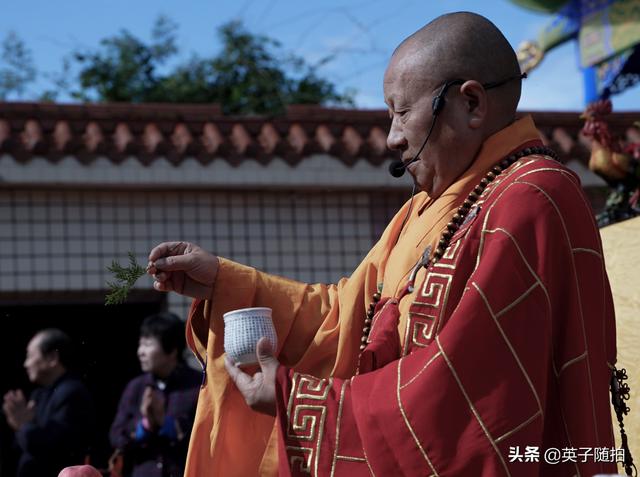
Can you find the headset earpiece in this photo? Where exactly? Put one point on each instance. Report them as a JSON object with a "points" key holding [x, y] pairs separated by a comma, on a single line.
{"points": [[438, 104]]}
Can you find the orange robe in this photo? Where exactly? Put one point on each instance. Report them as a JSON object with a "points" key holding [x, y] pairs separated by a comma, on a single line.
{"points": [[319, 329]]}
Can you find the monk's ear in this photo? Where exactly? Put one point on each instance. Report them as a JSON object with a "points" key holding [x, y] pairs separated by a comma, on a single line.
{"points": [[475, 101]]}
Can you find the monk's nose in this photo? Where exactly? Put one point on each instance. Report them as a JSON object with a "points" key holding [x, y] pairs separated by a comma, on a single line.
{"points": [[395, 138]]}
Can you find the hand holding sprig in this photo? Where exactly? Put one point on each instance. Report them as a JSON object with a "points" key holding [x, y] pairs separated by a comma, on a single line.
{"points": [[184, 268]]}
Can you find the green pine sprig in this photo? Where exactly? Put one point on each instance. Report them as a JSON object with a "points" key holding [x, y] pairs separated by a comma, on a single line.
{"points": [[125, 278]]}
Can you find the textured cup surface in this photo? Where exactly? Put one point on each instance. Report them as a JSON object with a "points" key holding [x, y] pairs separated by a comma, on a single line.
{"points": [[242, 330]]}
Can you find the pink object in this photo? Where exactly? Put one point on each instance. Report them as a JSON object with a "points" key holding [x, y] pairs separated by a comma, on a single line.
{"points": [[80, 471]]}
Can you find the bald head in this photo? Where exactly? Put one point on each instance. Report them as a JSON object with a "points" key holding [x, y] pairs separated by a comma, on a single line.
{"points": [[465, 46]]}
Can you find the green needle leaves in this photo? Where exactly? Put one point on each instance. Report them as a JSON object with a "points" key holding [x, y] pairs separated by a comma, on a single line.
{"points": [[124, 280]]}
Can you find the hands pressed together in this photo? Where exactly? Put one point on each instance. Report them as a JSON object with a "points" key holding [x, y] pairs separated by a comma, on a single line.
{"points": [[17, 410], [189, 270], [152, 408]]}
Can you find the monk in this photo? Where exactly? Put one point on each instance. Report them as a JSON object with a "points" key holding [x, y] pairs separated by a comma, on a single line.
{"points": [[476, 338]]}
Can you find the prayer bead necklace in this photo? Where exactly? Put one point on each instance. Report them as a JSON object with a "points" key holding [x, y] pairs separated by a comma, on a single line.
{"points": [[455, 223]]}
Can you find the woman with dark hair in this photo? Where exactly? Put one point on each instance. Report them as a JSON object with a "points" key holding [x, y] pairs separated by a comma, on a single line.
{"points": [[156, 411]]}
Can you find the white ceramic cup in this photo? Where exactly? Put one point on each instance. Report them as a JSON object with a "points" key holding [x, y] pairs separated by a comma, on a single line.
{"points": [[242, 330]]}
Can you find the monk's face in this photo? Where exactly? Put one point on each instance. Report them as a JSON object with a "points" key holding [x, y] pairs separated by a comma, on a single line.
{"points": [[409, 93]]}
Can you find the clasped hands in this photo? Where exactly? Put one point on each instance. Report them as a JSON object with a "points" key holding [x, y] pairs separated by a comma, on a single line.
{"points": [[17, 410], [152, 408], [189, 270]]}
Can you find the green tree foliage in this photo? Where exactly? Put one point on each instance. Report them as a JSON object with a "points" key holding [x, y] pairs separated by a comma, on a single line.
{"points": [[250, 75], [16, 67]]}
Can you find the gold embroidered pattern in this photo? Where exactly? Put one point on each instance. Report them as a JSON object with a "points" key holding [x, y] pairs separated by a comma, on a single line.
{"points": [[577, 359], [435, 289], [301, 462], [524, 260], [408, 424], [339, 417], [509, 345], [425, 311], [431, 360], [587, 250], [449, 259], [313, 388], [577, 288], [450, 252], [421, 326], [517, 300], [472, 408], [351, 459], [485, 231], [423, 331], [306, 421], [517, 428]]}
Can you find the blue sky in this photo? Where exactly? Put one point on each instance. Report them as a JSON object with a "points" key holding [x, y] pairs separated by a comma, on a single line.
{"points": [[361, 35]]}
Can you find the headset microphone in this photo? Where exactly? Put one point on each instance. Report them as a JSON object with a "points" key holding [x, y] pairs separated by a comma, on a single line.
{"points": [[397, 168]]}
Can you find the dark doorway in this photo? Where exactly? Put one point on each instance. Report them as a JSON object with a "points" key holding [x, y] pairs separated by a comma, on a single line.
{"points": [[106, 339]]}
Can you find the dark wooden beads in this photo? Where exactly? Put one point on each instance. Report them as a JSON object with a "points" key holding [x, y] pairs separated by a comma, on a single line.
{"points": [[368, 320]]}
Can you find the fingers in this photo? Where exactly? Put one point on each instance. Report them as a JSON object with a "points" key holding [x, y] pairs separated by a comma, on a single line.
{"points": [[14, 398], [147, 395], [164, 286], [167, 249], [264, 352], [161, 276], [146, 401], [9, 396], [173, 263], [241, 379]]}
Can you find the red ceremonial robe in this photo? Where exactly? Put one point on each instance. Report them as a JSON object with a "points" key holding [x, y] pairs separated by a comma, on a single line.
{"points": [[506, 359]]}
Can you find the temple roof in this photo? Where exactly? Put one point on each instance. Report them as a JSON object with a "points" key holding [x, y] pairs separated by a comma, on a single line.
{"points": [[177, 131]]}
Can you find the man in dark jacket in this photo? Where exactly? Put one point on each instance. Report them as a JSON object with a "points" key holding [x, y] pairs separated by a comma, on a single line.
{"points": [[156, 411], [53, 429]]}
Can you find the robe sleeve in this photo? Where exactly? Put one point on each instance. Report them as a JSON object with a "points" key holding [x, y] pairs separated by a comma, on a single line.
{"points": [[520, 362], [315, 328]]}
